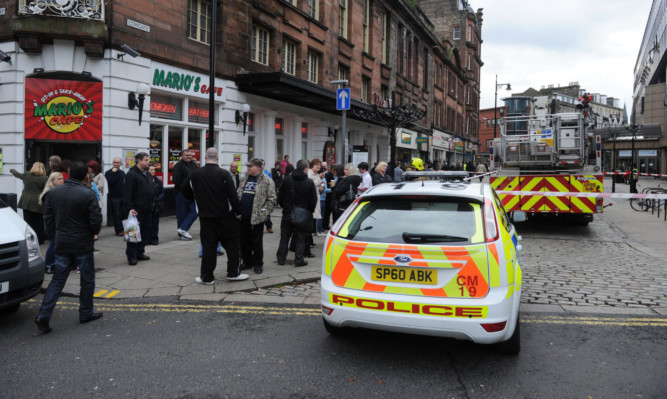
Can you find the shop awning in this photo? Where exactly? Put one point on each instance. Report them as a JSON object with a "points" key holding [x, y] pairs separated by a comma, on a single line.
{"points": [[286, 88], [650, 131]]}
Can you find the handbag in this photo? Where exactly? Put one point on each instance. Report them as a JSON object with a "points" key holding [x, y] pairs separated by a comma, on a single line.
{"points": [[301, 217], [349, 195], [131, 232]]}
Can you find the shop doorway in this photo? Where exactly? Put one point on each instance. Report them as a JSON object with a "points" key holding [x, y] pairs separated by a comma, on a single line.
{"points": [[40, 151]]}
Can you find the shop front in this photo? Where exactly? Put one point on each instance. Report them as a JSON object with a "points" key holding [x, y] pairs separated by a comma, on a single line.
{"points": [[441, 146], [458, 148], [406, 145]]}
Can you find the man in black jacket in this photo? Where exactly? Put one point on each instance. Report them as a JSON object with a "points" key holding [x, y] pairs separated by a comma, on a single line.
{"points": [[139, 201], [214, 191], [116, 183], [72, 215], [297, 190], [186, 212]]}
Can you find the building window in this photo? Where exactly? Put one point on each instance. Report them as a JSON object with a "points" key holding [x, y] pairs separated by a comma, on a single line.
{"points": [[314, 9], [260, 45], [410, 57], [401, 50], [342, 18], [456, 35], [292, 2], [313, 65], [342, 73], [366, 44], [304, 130], [251, 147], [199, 20], [426, 69], [385, 37], [384, 94], [469, 61], [278, 126], [365, 89], [251, 123], [467, 94], [289, 57], [469, 33]]}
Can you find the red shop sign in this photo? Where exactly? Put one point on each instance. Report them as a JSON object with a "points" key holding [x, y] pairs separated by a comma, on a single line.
{"points": [[63, 110]]}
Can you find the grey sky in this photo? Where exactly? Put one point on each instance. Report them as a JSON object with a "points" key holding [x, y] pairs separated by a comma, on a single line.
{"points": [[531, 43]]}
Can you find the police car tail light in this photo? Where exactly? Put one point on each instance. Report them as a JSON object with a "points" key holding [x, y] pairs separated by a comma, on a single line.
{"points": [[490, 226], [494, 327], [327, 310]]}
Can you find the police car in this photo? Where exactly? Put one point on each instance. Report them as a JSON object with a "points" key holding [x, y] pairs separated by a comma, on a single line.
{"points": [[431, 257]]}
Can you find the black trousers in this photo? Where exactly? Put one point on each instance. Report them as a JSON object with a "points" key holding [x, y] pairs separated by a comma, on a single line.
{"points": [[134, 250], [252, 245], [36, 221], [153, 236], [298, 236], [328, 210], [116, 206], [225, 231]]}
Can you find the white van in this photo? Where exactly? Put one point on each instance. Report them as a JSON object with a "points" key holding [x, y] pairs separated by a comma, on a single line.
{"points": [[21, 264]]}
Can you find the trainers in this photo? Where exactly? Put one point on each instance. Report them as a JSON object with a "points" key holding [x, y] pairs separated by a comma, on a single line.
{"points": [[240, 277], [321, 234], [198, 280], [182, 234], [270, 230]]}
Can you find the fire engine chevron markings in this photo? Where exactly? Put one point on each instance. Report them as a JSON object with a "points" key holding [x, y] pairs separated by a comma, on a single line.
{"points": [[578, 194]]}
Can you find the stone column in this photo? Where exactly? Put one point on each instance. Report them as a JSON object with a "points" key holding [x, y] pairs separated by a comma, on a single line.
{"points": [[266, 135]]}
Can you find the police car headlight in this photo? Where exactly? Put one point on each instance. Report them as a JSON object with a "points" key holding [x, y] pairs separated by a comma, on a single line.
{"points": [[32, 243]]}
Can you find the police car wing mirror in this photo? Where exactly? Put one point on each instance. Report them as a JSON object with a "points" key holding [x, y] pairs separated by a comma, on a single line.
{"points": [[518, 216]]}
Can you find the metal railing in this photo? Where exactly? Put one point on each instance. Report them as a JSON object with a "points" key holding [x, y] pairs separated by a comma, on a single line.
{"points": [[83, 9]]}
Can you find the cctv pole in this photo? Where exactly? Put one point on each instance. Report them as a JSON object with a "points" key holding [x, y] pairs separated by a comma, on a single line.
{"points": [[210, 137]]}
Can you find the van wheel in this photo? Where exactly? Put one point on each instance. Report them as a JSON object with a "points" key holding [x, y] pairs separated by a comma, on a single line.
{"points": [[513, 345], [336, 331], [11, 309]]}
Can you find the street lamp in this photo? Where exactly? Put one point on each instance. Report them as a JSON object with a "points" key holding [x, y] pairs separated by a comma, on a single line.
{"points": [[495, 105]]}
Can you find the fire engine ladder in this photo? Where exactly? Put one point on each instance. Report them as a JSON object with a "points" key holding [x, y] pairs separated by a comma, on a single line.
{"points": [[570, 143]]}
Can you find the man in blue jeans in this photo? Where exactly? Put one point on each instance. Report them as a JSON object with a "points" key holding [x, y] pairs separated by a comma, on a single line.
{"points": [[72, 215], [186, 212]]}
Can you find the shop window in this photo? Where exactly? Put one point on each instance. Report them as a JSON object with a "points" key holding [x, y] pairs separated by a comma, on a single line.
{"points": [[251, 147], [199, 20], [280, 150], [279, 126], [304, 150], [175, 148], [251, 122], [166, 107], [155, 150], [194, 144], [304, 130], [198, 112]]}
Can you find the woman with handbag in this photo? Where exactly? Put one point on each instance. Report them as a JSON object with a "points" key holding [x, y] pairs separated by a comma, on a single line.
{"points": [[298, 199], [346, 189], [33, 185]]}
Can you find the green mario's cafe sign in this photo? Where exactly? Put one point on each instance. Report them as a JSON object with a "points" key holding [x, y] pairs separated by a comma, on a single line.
{"points": [[178, 80]]}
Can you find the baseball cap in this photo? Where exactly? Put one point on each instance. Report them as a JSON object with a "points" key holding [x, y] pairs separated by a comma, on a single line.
{"points": [[254, 162]]}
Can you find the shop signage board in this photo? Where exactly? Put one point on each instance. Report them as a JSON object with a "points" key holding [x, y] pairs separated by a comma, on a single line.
{"points": [[178, 80], [68, 110]]}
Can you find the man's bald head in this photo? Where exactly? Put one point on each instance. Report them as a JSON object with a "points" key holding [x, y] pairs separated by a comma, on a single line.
{"points": [[212, 155]]}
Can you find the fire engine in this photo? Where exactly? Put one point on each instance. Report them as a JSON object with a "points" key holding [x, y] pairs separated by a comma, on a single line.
{"points": [[554, 153]]}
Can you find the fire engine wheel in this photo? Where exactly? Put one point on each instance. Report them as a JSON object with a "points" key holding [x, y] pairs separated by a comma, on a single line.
{"points": [[513, 345], [333, 330]]}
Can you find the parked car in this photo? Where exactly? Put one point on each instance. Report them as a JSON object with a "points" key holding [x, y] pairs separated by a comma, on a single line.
{"points": [[425, 257], [21, 264]]}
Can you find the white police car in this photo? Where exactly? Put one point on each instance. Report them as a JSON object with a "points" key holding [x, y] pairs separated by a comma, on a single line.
{"points": [[426, 257]]}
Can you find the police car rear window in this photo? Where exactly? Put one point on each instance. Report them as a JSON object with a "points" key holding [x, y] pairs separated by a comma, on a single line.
{"points": [[415, 220]]}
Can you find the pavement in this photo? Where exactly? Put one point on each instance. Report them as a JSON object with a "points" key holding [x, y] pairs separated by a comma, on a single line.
{"points": [[175, 263]]}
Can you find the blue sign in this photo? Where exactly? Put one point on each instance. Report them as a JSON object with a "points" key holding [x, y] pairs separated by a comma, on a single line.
{"points": [[343, 99]]}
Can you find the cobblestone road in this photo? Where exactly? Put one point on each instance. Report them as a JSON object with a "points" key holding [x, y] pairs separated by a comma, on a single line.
{"points": [[563, 264]]}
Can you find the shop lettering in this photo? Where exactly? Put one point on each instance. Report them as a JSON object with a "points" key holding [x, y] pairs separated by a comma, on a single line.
{"points": [[203, 113], [413, 308], [162, 107], [63, 109], [182, 81]]}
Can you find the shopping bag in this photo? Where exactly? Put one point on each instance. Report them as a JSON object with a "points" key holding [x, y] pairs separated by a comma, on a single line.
{"points": [[131, 232]]}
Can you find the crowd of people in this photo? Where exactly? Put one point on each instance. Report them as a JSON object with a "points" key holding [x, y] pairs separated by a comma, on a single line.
{"points": [[233, 207]]}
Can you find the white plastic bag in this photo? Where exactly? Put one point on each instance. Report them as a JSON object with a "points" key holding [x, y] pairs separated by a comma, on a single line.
{"points": [[131, 231]]}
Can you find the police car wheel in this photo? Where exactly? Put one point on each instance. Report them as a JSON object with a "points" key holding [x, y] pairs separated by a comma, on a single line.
{"points": [[333, 330], [513, 345]]}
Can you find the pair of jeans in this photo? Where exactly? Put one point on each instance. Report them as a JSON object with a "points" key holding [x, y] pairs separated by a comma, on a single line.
{"points": [[116, 206], [298, 236], [224, 232], [320, 222], [252, 246], [62, 268], [50, 258], [136, 249], [268, 223], [186, 212]]}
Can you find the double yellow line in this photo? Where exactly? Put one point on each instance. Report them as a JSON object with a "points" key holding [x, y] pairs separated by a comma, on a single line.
{"points": [[531, 318]]}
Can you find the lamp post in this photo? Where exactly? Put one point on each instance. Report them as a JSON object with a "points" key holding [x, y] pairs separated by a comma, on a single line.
{"points": [[495, 105]]}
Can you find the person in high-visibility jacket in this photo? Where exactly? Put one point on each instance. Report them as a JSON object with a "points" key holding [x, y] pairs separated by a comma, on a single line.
{"points": [[633, 181]]}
